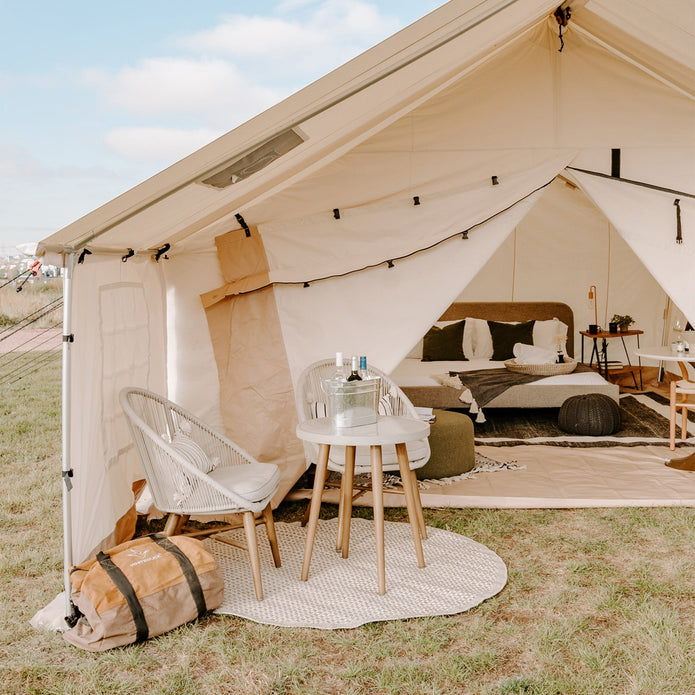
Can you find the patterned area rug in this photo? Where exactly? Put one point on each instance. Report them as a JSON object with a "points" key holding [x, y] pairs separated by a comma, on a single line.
{"points": [[644, 420], [342, 593]]}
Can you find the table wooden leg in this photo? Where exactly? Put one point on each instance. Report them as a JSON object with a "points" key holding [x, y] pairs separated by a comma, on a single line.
{"points": [[406, 476], [418, 505], [348, 481], [316, 495], [378, 503]]}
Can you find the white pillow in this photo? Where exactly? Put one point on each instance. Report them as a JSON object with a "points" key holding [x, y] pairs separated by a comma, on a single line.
{"points": [[469, 338], [547, 333], [532, 354], [481, 340], [185, 446]]}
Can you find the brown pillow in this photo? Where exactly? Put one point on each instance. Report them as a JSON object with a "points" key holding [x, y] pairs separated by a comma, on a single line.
{"points": [[444, 344], [506, 335]]}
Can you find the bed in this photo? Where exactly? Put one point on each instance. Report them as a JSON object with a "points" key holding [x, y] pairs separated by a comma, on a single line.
{"points": [[424, 381]]}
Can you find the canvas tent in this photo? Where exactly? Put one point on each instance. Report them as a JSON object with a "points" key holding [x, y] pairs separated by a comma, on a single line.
{"points": [[335, 220]]}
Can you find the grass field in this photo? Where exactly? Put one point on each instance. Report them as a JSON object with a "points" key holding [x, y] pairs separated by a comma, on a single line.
{"points": [[599, 601], [40, 300]]}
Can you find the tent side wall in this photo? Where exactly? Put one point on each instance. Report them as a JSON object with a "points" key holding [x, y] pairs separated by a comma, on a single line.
{"points": [[119, 324]]}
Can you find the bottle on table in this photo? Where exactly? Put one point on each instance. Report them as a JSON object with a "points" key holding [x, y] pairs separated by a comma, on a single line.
{"points": [[339, 367], [363, 367], [354, 374]]}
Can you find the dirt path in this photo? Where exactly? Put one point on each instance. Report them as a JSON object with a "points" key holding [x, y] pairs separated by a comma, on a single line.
{"points": [[30, 339]]}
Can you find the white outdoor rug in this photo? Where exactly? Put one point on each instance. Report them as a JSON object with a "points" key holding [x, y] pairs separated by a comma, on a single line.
{"points": [[342, 593]]}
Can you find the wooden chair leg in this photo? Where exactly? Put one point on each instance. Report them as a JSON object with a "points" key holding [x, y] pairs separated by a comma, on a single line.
{"points": [[272, 536], [672, 416], [171, 524], [307, 512], [252, 542], [684, 424], [182, 522]]}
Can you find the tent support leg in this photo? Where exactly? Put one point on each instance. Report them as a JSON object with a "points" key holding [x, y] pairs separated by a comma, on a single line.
{"points": [[68, 264]]}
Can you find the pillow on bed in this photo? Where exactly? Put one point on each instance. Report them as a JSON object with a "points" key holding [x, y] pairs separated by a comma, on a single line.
{"points": [[444, 344], [506, 335], [545, 334], [477, 343], [416, 351]]}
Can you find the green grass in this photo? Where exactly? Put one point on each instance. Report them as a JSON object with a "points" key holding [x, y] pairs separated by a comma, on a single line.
{"points": [[599, 601]]}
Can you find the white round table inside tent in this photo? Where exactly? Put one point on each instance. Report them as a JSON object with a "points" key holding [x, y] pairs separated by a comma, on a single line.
{"points": [[341, 593]]}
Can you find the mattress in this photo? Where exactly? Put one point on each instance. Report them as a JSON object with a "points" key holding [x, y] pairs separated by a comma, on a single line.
{"points": [[419, 381]]}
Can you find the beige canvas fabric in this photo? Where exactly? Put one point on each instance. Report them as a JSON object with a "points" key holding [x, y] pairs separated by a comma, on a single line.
{"points": [[471, 91], [257, 398]]}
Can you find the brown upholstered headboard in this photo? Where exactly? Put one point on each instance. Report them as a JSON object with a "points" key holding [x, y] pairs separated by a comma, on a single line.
{"points": [[514, 311]]}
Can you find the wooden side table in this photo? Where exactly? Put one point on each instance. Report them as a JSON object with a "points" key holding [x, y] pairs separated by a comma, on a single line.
{"points": [[387, 430], [605, 336]]}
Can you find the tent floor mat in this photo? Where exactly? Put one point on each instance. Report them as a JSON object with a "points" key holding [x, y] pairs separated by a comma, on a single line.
{"points": [[553, 477]]}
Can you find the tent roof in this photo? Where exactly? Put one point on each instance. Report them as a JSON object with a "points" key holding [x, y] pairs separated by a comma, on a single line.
{"points": [[343, 109]]}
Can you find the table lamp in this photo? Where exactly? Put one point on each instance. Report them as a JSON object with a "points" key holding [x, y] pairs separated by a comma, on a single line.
{"points": [[592, 300]]}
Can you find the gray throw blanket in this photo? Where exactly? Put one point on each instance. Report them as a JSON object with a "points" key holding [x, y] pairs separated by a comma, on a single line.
{"points": [[487, 384]]}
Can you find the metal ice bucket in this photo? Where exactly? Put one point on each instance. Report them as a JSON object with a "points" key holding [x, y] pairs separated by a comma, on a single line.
{"points": [[352, 403]]}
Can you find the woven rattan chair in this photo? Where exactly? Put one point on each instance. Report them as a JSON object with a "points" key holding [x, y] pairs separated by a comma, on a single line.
{"points": [[312, 402], [191, 469], [684, 389]]}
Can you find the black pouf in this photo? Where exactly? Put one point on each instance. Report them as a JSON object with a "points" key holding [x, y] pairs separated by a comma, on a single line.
{"points": [[593, 414]]}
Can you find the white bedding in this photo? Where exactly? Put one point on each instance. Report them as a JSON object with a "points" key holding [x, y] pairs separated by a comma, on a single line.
{"points": [[413, 372]]}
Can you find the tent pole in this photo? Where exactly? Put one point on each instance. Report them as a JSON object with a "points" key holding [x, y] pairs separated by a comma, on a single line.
{"points": [[68, 264]]}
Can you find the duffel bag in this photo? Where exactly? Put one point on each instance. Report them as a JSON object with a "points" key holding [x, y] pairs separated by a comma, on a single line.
{"points": [[142, 588]]}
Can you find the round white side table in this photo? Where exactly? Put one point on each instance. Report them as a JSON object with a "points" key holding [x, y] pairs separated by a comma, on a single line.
{"points": [[390, 429]]}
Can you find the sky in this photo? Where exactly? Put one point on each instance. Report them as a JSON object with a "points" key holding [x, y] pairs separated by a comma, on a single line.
{"points": [[95, 97]]}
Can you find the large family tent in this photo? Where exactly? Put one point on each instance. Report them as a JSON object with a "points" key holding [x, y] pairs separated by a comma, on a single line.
{"points": [[350, 215]]}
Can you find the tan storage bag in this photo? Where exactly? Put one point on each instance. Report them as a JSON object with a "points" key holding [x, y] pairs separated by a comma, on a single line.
{"points": [[142, 588]]}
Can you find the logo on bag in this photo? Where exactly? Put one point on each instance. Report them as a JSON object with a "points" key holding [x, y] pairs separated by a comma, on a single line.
{"points": [[142, 555]]}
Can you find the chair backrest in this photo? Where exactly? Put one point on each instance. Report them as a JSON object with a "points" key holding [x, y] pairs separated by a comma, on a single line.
{"points": [[312, 400], [174, 479]]}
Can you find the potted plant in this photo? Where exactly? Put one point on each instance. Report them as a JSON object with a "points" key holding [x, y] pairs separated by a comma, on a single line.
{"points": [[623, 322]]}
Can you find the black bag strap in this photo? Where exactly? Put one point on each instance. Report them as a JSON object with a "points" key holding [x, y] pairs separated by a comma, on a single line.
{"points": [[126, 588], [187, 568]]}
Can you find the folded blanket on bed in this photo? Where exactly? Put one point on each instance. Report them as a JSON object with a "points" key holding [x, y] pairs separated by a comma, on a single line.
{"points": [[487, 384], [483, 385]]}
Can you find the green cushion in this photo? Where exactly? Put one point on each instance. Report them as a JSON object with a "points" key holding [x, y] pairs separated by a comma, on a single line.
{"points": [[451, 444], [444, 344]]}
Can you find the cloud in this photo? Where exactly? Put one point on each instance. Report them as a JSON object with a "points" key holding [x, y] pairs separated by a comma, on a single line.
{"points": [[16, 163], [213, 91], [158, 144], [331, 30], [230, 73]]}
